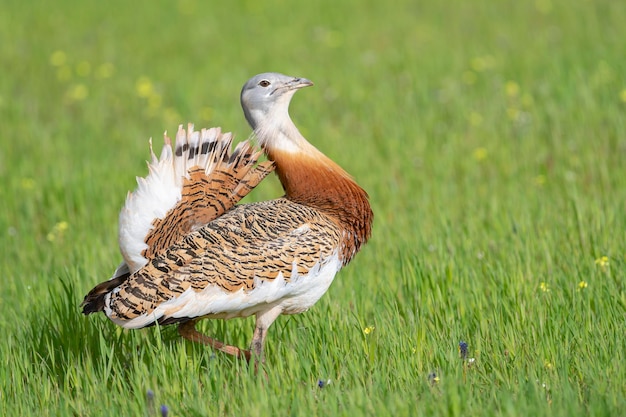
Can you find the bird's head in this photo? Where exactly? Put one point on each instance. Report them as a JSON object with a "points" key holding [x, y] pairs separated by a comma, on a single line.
{"points": [[265, 97]]}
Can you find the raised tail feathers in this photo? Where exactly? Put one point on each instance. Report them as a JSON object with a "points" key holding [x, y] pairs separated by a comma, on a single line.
{"points": [[189, 185]]}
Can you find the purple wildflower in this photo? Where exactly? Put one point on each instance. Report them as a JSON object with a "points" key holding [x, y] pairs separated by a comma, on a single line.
{"points": [[463, 349]]}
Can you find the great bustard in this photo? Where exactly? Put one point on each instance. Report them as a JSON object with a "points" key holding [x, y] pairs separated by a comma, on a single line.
{"points": [[190, 252]]}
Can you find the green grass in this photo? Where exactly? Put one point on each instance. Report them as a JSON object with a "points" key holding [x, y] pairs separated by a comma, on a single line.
{"points": [[491, 137]]}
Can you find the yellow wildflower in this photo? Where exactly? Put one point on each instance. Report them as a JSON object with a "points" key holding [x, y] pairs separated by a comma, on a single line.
{"points": [[368, 330], [58, 58], [544, 287], [482, 63], [602, 262], [57, 231], [511, 88], [479, 154], [582, 285], [78, 92], [144, 87]]}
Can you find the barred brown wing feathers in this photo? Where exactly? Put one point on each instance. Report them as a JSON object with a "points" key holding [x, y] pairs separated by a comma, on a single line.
{"points": [[204, 198], [252, 243]]}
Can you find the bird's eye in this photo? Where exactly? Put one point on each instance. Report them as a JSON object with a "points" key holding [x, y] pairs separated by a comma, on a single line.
{"points": [[264, 83]]}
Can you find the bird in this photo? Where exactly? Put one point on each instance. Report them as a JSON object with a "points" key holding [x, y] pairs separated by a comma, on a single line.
{"points": [[191, 252]]}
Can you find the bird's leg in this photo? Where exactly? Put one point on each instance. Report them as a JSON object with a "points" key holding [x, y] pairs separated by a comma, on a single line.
{"points": [[263, 321], [258, 341], [189, 332]]}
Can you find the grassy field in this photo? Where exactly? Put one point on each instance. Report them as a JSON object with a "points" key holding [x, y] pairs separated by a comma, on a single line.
{"points": [[491, 136]]}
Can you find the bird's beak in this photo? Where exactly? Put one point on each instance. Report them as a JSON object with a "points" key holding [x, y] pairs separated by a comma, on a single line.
{"points": [[293, 84], [298, 83]]}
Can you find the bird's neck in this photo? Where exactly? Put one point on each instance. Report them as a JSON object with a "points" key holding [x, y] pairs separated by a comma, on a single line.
{"points": [[311, 178], [276, 132]]}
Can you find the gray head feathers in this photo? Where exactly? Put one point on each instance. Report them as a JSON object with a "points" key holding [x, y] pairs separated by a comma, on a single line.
{"points": [[265, 97]]}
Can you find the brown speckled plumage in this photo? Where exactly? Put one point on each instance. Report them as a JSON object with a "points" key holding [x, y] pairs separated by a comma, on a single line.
{"points": [[249, 244]]}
